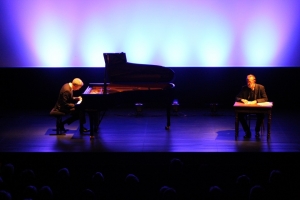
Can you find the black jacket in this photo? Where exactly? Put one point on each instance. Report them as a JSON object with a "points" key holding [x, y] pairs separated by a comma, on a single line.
{"points": [[259, 95], [65, 102]]}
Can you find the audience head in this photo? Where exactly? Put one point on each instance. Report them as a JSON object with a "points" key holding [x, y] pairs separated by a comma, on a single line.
{"points": [[215, 192], [275, 177], [1, 183], [30, 192], [243, 182], [98, 185], [176, 165], [97, 181], [8, 171], [131, 179], [278, 187], [257, 192], [175, 173], [63, 174], [167, 193], [87, 194], [98, 178], [132, 187], [243, 186], [63, 185], [45, 193], [4, 195], [27, 177]]}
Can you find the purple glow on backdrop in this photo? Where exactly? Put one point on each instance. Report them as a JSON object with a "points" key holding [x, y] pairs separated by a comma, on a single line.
{"points": [[171, 33]]}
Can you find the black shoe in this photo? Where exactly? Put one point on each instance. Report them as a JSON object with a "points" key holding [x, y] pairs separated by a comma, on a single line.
{"points": [[257, 135], [61, 127], [84, 130], [247, 135]]}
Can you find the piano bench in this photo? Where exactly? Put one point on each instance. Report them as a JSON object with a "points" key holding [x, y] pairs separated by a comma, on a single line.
{"points": [[59, 116]]}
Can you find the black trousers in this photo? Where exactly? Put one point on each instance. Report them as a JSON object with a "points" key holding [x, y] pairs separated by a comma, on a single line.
{"points": [[76, 114], [259, 120]]}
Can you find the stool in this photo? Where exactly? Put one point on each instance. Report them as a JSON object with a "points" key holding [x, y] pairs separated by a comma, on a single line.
{"points": [[59, 116], [214, 109]]}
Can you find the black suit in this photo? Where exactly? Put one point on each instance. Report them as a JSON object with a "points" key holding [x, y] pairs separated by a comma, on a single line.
{"points": [[258, 94], [66, 104]]}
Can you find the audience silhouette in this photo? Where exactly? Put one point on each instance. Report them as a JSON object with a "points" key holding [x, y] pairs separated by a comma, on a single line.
{"points": [[30, 192], [167, 193], [4, 195], [63, 187], [257, 192], [45, 193], [87, 194], [242, 187], [216, 193], [277, 185], [132, 189], [174, 180], [98, 185]]}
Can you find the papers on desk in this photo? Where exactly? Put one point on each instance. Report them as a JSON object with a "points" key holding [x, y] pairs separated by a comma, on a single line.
{"points": [[265, 104], [257, 105]]}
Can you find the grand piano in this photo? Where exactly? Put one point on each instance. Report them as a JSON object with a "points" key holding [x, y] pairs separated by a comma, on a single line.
{"points": [[123, 79]]}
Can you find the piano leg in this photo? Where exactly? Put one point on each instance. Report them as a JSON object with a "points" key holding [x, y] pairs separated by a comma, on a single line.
{"points": [[168, 99], [168, 117], [94, 122], [92, 118], [95, 118]]}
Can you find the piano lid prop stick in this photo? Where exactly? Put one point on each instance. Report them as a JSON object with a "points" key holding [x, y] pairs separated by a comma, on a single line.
{"points": [[105, 84]]}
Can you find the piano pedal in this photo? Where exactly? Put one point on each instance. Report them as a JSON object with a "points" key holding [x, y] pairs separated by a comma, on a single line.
{"points": [[81, 133], [59, 132], [138, 109]]}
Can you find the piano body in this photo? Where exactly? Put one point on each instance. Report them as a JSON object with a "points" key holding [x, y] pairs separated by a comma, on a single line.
{"points": [[126, 79]]}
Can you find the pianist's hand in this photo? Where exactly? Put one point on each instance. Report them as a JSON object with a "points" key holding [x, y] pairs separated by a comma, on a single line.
{"points": [[77, 98]]}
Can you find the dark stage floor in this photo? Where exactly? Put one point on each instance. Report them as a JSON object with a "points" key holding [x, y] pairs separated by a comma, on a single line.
{"points": [[192, 130]]}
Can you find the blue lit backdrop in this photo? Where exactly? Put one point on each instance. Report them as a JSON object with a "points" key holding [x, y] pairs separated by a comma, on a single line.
{"points": [[172, 33]]}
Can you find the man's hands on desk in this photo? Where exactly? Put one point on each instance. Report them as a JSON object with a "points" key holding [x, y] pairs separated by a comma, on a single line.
{"points": [[245, 101]]}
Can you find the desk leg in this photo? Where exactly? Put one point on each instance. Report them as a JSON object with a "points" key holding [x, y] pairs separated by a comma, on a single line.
{"points": [[269, 125], [236, 125]]}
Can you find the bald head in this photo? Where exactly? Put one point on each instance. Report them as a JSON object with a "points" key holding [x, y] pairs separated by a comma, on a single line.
{"points": [[77, 83]]}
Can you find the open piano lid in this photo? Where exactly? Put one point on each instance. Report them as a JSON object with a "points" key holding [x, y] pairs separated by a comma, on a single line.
{"points": [[119, 70]]}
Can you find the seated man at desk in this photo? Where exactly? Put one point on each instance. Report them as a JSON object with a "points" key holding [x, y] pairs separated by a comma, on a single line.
{"points": [[252, 93], [66, 104]]}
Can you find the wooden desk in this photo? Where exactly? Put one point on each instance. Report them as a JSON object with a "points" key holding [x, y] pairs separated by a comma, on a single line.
{"points": [[265, 108]]}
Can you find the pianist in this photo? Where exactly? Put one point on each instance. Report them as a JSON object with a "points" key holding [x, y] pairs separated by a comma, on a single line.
{"points": [[66, 104], [252, 93]]}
